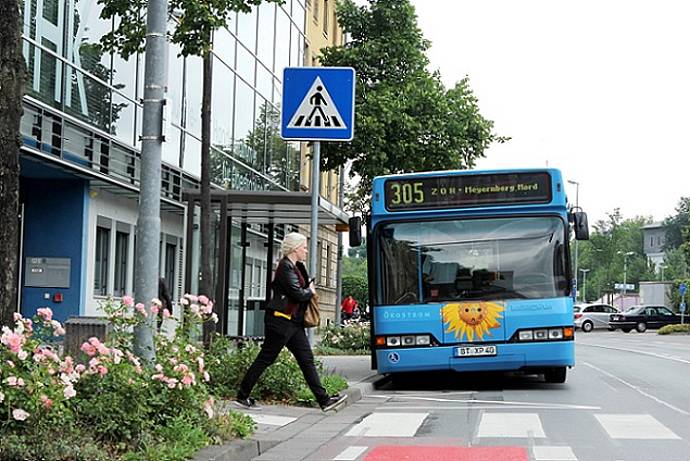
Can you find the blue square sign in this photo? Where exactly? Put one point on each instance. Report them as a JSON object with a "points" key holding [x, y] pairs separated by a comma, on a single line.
{"points": [[318, 104]]}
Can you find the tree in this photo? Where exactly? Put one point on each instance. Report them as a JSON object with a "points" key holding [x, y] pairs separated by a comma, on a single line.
{"points": [[195, 23], [405, 119], [604, 254], [12, 74], [355, 280], [675, 225]]}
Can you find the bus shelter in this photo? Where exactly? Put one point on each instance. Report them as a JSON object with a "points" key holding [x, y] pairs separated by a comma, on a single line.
{"points": [[247, 229]]}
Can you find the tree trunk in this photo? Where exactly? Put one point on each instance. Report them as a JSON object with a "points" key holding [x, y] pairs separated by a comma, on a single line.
{"points": [[12, 72], [206, 284]]}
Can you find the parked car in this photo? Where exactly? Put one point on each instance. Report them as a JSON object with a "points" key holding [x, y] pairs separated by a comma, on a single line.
{"points": [[591, 316], [643, 317]]}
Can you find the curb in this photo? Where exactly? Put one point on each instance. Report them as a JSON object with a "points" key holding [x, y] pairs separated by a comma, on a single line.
{"points": [[246, 450]]}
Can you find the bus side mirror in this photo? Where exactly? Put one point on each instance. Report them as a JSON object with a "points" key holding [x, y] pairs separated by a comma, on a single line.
{"points": [[581, 225], [355, 224]]}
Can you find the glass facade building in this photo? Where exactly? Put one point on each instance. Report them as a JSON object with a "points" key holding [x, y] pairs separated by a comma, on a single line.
{"points": [[81, 160]]}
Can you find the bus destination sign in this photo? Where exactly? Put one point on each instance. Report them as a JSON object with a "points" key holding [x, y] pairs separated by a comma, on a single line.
{"points": [[461, 191]]}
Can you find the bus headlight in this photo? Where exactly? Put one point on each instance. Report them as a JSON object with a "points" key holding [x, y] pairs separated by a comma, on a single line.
{"points": [[392, 341], [544, 334], [423, 340]]}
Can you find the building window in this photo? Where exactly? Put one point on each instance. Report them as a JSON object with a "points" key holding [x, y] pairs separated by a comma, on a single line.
{"points": [[325, 17], [100, 284], [329, 257], [121, 252], [169, 273]]}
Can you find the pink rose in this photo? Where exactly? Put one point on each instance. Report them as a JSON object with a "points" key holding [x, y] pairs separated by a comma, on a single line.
{"points": [[19, 414], [155, 309], [47, 403], [46, 313], [69, 392], [166, 313], [203, 299], [80, 368], [88, 349], [128, 301], [156, 302], [141, 309]]}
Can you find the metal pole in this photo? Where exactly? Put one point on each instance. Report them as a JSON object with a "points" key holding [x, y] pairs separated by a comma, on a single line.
{"points": [[149, 221], [584, 284], [625, 275], [314, 229], [339, 267]]}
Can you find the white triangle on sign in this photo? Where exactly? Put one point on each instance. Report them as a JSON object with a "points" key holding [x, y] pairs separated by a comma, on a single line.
{"points": [[317, 110]]}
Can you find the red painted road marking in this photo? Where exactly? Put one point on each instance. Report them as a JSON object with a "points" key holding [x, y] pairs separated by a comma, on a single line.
{"points": [[431, 453]]}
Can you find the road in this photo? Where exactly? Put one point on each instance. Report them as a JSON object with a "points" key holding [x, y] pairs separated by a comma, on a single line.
{"points": [[627, 399]]}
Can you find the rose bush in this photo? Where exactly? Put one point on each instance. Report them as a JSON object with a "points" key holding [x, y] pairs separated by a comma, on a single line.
{"points": [[107, 395], [36, 382]]}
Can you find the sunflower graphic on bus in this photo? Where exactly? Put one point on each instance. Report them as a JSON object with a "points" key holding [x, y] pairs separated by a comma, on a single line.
{"points": [[472, 318]]}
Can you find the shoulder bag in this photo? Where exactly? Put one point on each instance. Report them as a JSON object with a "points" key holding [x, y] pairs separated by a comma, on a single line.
{"points": [[312, 316]]}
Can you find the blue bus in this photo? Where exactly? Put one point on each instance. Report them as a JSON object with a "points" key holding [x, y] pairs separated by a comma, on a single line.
{"points": [[470, 271]]}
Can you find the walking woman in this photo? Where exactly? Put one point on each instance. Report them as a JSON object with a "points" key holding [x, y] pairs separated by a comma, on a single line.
{"points": [[284, 326]]}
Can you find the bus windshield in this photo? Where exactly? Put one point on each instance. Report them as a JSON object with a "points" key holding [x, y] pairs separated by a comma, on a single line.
{"points": [[469, 259]]}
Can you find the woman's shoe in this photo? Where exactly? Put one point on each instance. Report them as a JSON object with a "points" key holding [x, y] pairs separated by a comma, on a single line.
{"points": [[333, 402]]}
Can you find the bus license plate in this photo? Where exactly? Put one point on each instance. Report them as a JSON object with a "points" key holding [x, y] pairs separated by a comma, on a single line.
{"points": [[475, 351]]}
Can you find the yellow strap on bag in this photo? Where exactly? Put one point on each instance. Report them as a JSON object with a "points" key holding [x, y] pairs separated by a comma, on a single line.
{"points": [[280, 314]]}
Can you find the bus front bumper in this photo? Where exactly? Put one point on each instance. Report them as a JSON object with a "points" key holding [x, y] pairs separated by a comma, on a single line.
{"points": [[509, 357]]}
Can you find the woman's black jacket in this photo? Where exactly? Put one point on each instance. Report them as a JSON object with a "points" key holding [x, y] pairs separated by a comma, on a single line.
{"points": [[290, 289]]}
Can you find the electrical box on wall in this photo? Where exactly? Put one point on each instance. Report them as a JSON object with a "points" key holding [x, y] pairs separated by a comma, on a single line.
{"points": [[47, 272]]}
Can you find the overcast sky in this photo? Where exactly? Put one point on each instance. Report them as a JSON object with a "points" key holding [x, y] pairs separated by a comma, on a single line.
{"points": [[597, 88]]}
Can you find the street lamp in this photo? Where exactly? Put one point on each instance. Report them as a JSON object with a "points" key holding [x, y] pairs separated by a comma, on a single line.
{"points": [[625, 269], [584, 284], [577, 204]]}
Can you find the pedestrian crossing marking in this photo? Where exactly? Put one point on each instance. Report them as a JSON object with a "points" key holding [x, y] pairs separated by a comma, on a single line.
{"points": [[317, 110], [520, 425], [388, 425], [543, 453], [640, 427], [350, 453]]}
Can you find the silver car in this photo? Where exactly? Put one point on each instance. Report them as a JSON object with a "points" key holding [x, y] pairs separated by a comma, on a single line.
{"points": [[591, 316]]}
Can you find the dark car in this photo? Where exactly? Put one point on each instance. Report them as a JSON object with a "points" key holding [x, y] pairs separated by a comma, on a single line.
{"points": [[643, 317]]}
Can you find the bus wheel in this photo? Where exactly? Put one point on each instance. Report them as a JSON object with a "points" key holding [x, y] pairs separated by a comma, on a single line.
{"points": [[555, 375]]}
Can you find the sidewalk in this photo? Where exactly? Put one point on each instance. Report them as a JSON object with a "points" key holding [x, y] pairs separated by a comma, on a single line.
{"points": [[280, 424]]}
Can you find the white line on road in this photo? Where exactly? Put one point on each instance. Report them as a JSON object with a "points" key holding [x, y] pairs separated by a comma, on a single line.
{"points": [[388, 425], [542, 453], [520, 425], [496, 402], [350, 453], [651, 354], [636, 388], [638, 427], [489, 407]]}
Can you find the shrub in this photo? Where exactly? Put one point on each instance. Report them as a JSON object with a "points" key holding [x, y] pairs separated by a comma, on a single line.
{"points": [[669, 329], [354, 337], [36, 382], [161, 411], [282, 381], [332, 383]]}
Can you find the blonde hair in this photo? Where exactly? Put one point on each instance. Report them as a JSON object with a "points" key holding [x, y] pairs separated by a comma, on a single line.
{"points": [[291, 242]]}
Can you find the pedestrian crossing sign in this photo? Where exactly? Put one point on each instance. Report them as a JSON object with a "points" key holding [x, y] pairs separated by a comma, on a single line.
{"points": [[318, 104]]}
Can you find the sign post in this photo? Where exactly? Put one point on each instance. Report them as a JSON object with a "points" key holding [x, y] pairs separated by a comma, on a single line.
{"points": [[682, 288], [318, 105]]}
